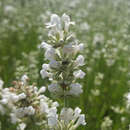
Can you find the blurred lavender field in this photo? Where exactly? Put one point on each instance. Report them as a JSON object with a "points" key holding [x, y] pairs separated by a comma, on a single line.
{"points": [[104, 28]]}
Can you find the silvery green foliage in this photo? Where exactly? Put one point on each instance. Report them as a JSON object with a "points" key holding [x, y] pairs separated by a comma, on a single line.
{"points": [[61, 51]]}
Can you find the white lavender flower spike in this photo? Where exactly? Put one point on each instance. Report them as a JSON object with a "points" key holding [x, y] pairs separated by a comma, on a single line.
{"points": [[61, 53], [62, 57]]}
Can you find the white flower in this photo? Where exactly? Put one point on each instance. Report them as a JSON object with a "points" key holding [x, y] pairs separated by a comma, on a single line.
{"points": [[128, 99], [24, 78], [9, 98], [75, 89], [19, 112], [55, 23], [43, 106], [21, 96], [54, 64], [4, 101], [66, 115], [46, 66], [52, 117], [81, 120], [29, 110], [68, 49], [98, 38], [66, 19], [54, 88], [79, 47], [77, 112], [42, 89], [79, 74], [14, 118], [1, 84], [9, 9], [107, 123], [50, 54], [55, 104], [44, 73], [69, 116], [45, 45], [14, 98], [21, 126], [79, 60]]}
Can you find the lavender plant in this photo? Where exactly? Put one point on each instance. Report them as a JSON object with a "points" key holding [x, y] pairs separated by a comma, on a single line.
{"points": [[61, 52], [27, 107]]}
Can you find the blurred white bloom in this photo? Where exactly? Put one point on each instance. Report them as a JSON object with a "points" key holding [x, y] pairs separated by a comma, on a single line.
{"points": [[81, 120], [14, 118], [127, 100], [53, 64], [50, 54], [43, 106], [54, 88], [79, 74], [46, 66], [95, 92], [8, 97], [100, 75], [66, 115], [44, 73], [42, 89], [110, 62], [24, 78], [98, 38], [1, 84], [85, 26], [30, 110], [123, 119], [55, 104], [79, 60], [106, 124], [98, 79], [66, 19], [21, 126], [21, 96], [79, 47], [52, 117], [68, 49], [9, 9], [89, 69], [4, 101], [77, 112], [117, 109], [14, 98], [45, 45], [55, 23], [75, 89]]}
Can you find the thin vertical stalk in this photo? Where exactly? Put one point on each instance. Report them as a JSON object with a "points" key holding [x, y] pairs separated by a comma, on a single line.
{"points": [[64, 99]]}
